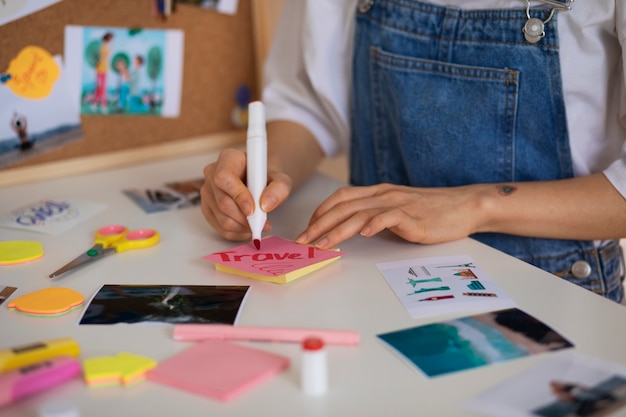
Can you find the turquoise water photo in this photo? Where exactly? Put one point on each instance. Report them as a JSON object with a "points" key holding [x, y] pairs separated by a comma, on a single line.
{"points": [[471, 342]]}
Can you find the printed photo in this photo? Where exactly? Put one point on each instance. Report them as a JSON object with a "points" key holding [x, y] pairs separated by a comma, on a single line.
{"points": [[5, 293], [11, 10], [30, 127], [568, 384], [125, 71], [165, 304], [474, 341], [221, 6], [170, 196]]}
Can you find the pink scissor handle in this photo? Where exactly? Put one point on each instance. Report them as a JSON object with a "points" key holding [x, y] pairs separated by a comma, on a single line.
{"points": [[106, 235], [137, 239], [112, 229]]}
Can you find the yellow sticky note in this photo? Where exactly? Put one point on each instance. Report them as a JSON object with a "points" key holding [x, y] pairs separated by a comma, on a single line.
{"points": [[18, 251], [123, 369], [33, 73]]}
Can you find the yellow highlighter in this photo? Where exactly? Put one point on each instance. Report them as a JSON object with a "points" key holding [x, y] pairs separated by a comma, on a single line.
{"points": [[25, 355]]}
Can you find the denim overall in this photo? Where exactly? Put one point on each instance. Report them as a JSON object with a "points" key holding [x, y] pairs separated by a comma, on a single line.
{"points": [[445, 97]]}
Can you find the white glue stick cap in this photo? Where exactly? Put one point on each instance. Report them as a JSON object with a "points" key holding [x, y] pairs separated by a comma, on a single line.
{"points": [[313, 372]]}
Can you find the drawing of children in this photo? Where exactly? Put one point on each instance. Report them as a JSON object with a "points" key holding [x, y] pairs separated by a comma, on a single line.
{"points": [[102, 69], [136, 100], [122, 68]]}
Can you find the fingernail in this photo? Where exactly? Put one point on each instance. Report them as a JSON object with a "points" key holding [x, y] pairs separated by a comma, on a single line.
{"points": [[302, 238], [322, 243], [247, 209], [268, 204], [366, 231]]}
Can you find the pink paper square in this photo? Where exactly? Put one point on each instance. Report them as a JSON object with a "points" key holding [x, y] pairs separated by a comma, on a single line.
{"points": [[218, 369]]}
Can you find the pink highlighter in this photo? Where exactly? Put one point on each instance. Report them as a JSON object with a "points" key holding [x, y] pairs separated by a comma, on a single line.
{"points": [[38, 377]]}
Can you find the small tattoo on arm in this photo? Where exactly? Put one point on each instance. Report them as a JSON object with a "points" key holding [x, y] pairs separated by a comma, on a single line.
{"points": [[506, 189]]}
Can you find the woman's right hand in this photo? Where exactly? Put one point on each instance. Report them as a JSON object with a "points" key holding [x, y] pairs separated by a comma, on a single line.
{"points": [[226, 201]]}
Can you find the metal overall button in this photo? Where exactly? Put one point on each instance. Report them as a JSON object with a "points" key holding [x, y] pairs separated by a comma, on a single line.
{"points": [[365, 5], [581, 269], [534, 28]]}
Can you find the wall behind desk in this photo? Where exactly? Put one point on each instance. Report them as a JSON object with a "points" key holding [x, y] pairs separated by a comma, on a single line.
{"points": [[219, 57]]}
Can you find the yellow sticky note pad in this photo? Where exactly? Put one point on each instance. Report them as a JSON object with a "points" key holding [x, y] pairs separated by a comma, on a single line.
{"points": [[48, 302], [33, 73], [19, 251], [123, 369]]}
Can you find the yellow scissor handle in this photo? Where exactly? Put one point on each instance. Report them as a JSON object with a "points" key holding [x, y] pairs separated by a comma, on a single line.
{"points": [[105, 236], [137, 239]]}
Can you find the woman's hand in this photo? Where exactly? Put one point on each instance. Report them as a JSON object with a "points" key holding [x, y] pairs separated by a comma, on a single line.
{"points": [[226, 200], [421, 215]]}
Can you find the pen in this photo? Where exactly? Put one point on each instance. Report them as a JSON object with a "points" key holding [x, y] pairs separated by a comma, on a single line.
{"points": [[256, 177], [198, 332]]}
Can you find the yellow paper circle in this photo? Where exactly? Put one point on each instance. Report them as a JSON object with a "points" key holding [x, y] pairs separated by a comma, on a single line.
{"points": [[18, 251]]}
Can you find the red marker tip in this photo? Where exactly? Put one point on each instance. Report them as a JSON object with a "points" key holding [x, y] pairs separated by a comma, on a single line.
{"points": [[257, 243]]}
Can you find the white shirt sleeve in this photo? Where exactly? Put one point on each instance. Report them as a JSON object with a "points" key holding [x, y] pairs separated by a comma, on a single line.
{"points": [[307, 73], [616, 172]]}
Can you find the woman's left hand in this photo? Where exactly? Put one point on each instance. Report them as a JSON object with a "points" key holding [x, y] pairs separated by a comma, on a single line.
{"points": [[421, 215]]}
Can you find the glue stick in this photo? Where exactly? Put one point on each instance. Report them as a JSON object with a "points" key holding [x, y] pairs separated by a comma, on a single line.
{"points": [[313, 372]]}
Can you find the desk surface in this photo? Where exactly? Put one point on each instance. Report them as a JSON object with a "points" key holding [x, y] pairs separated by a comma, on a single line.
{"points": [[367, 380]]}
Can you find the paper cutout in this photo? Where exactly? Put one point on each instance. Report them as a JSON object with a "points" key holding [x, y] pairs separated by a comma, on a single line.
{"points": [[218, 369], [471, 342], [19, 251], [444, 284], [53, 301], [33, 73], [50, 216], [279, 260], [123, 369]]}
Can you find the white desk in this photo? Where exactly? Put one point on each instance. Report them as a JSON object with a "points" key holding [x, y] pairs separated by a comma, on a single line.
{"points": [[367, 380]]}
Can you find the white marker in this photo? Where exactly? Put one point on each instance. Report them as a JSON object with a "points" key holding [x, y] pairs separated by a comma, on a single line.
{"points": [[256, 148]]}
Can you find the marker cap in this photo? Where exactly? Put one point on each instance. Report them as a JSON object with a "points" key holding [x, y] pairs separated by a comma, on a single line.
{"points": [[256, 119]]}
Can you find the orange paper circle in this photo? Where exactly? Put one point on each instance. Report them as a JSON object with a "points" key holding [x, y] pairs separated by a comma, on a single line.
{"points": [[48, 302]]}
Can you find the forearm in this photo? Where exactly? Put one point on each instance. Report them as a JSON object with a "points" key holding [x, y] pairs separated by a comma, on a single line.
{"points": [[292, 149], [585, 208]]}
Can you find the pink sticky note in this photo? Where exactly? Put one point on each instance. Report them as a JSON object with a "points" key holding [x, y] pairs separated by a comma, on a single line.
{"points": [[218, 369], [278, 260]]}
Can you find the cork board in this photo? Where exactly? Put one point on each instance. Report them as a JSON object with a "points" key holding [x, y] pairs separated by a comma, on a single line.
{"points": [[219, 57]]}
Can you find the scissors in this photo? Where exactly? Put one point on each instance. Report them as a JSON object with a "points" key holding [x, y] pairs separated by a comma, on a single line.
{"points": [[111, 239]]}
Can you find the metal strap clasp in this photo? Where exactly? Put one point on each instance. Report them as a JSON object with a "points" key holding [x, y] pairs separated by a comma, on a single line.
{"points": [[534, 28]]}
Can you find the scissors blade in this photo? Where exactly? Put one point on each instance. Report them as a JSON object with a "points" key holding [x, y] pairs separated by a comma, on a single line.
{"points": [[96, 252]]}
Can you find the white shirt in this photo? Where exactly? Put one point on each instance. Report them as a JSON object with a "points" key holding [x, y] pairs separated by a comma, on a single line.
{"points": [[308, 75]]}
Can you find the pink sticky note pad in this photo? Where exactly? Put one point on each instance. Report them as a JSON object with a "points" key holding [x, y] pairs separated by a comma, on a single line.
{"points": [[218, 369], [278, 260]]}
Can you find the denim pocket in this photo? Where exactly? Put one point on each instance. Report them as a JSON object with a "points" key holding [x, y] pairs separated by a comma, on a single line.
{"points": [[414, 100]]}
